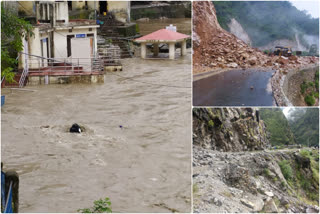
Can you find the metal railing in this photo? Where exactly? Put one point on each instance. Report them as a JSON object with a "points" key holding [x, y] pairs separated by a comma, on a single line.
{"points": [[105, 56], [23, 77], [73, 65]]}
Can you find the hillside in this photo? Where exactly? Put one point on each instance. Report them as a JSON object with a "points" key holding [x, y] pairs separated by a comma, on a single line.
{"points": [[304, 124], [267, 21], [215, 49], [278, 127]]}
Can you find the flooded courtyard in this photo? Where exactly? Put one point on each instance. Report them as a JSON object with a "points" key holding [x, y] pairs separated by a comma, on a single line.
{"points": [[135, 148], [250, 87]]}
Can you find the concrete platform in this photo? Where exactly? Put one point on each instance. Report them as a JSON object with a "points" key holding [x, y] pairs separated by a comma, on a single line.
{"points": [[41, 78]]}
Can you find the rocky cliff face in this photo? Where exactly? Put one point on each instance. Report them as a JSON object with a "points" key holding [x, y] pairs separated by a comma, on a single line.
{"points": [[229, 129]]}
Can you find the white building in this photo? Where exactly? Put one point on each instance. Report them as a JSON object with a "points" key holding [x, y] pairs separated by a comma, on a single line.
{"points": [[55, 36]]}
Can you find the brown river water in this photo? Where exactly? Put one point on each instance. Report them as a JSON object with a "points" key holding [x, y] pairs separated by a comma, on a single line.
{"points": [[143, 167]]}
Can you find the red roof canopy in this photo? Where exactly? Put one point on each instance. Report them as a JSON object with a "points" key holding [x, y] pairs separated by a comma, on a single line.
{"points": [[163, 35]]}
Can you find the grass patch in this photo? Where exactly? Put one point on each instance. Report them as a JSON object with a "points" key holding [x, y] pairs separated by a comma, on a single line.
{"points": [[286, 169]]}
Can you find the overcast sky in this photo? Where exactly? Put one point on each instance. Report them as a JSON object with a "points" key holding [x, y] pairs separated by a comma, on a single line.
{"points": [[311, 6]]}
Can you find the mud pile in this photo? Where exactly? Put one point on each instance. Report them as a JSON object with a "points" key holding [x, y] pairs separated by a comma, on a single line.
{"points": [[216, 49]]}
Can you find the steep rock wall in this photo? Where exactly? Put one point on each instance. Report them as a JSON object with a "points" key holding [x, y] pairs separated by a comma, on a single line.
{"points": [[236, 29], [229, 129]]}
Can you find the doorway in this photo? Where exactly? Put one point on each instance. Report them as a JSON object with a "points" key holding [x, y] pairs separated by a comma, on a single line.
{"points": [[103, 7]]}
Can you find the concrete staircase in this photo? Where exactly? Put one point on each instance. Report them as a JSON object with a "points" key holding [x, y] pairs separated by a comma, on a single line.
{"points": [[108, 31]]}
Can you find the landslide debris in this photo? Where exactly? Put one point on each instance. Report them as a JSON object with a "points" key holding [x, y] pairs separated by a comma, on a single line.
{"points": [[216, 49], [264, 181]]}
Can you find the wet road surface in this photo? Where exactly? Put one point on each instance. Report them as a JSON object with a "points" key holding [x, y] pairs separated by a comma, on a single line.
{"points": [[234, 88]]}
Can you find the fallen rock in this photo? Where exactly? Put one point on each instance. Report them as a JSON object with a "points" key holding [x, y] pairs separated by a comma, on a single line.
{"points": [[270, 194], [232, 65], [270, 206], [247, 203]]}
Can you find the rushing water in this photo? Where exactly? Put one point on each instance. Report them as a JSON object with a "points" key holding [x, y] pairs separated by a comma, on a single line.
{"points": [[183, 25], [145, 166], [234, 88]]}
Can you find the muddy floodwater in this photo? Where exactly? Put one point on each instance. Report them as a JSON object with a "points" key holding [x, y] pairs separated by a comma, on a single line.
{"points": [[183, 25], [234, 88], [135, 150]]}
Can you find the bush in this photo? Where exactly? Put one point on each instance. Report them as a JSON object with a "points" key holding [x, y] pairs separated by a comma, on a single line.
{"points": [[309, 99], [305, 153], [310, 84], [267, 172], [211, 123], [303, 87], [100, 206], [286, 169]]}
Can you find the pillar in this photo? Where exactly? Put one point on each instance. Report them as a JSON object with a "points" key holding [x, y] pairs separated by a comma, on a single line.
{"points": [[155, 49], [171, 50], [143, 50], [184, 48]]}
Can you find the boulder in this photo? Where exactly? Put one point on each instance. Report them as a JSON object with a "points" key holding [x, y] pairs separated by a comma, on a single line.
{"points": [[247, 203], [232, 65], [270, 206]]}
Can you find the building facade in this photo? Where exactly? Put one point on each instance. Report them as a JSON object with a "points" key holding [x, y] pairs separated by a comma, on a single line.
{"points": [[55, 36]]}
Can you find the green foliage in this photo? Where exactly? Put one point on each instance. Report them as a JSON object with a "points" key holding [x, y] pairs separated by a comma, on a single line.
{"points": [[309, 99], [305, 153], [211, 123], [304, 123], [266, 21], [286, 169], [311, 90], [316, 79], [303, 87], [278, 126], [266, 172], [137, 28], [13, 29], [100, 206]]}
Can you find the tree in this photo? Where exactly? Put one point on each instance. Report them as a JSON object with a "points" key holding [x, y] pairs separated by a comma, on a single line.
{"points": [[13, 29]]}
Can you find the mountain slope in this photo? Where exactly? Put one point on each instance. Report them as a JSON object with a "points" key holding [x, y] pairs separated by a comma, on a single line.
{"points": [[267, 21], [278, 126], [305, 125]]}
